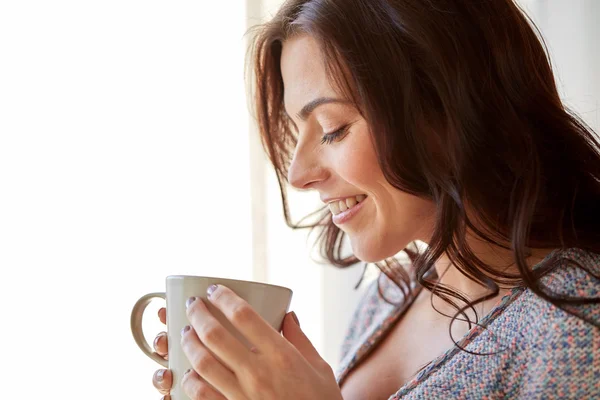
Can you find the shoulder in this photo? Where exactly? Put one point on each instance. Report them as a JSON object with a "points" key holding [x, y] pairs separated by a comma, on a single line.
{"points": [[574, 273], [532, 349], [560, 348]]}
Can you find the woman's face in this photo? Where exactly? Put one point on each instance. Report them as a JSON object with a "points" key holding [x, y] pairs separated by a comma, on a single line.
{"points": [[335, 156]]}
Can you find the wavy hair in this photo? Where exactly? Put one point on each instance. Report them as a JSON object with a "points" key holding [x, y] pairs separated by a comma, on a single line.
{"points": [[463, 109]]}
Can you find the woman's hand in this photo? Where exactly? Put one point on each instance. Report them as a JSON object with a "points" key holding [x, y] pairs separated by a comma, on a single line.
{"points": [[162, 378], [277, 367]]}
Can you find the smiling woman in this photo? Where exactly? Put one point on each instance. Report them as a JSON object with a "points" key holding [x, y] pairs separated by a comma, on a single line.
{"points": [[440, 122], [343, 165]]}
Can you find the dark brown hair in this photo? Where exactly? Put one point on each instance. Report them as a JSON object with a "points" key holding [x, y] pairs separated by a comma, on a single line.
{"points": [[463, 108]]}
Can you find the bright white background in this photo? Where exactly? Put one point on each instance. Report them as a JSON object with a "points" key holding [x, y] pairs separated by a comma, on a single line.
{"points": [[123, 159], [126, 154]]}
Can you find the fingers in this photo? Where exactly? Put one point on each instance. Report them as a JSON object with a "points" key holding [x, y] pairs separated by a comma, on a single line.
{"points": [[209, 367], [219, 340], [161, 345], [197, 388], [162, 315], [294, 335], [242, 316], [163, 380]]}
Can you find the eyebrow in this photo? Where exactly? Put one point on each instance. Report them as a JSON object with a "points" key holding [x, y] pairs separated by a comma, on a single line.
{"points": [[310, 107]]}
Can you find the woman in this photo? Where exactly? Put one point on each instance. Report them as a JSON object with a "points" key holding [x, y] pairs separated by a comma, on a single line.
{"points": [[435, 121]]}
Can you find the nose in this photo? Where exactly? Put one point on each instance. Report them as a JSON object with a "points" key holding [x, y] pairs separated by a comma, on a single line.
{"points": [[306, 169]]}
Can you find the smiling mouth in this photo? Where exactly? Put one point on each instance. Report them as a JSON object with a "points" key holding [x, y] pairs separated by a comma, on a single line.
{"points": [[337, 207]]}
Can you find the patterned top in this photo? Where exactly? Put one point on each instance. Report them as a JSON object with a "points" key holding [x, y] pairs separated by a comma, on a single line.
{"points": [[543, 351]]}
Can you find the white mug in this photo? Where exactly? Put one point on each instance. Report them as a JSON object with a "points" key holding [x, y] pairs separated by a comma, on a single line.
{"points": [[271, 302]]}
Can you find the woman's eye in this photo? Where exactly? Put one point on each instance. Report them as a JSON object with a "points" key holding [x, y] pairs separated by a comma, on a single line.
{"points": [[339, 134]]}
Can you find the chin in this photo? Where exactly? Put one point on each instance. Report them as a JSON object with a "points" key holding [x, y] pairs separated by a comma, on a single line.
{"points": [[373, 249]]}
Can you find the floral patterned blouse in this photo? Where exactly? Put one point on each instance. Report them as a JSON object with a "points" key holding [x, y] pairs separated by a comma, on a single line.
{"points": [[542, 351]]}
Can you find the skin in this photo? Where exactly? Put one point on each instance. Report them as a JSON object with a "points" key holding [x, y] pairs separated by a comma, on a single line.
{"points": [[223, 368], [348, 166], [388, 221]]}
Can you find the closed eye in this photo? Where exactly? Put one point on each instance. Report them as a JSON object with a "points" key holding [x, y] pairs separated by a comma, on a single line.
{"points": [[339, 134]]}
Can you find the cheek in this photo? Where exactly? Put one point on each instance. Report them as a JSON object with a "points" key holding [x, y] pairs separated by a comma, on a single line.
{"points": [[360, 174], [395, 222], [358, 163], [408, 218]]}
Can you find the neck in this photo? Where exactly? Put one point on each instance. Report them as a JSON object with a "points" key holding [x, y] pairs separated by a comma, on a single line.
{"points": [[496, 257]]}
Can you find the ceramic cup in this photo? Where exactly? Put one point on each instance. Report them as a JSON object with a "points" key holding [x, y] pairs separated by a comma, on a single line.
{"points": [[271, 302]]}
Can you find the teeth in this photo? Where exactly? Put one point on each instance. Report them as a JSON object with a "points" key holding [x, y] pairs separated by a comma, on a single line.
{"points": [[343, 206], [334, 207], [337, 207]]}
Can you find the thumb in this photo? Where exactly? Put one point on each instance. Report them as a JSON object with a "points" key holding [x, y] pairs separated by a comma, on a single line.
{"points": [[294, 335]]}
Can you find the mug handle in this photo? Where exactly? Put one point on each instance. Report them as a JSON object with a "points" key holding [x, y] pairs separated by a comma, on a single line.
{"points": [[136, 327]]}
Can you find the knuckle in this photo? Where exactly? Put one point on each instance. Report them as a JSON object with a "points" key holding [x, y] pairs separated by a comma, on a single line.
{"points": [[204, 363], [284, 361], [203, 391], [241, 313], [259, 383], [211, 334], [324, 367]]}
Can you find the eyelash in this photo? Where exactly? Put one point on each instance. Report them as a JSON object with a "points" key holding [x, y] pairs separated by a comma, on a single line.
{"points": [[329, 138]]}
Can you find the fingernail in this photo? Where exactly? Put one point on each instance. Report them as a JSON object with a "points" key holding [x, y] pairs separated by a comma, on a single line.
{"points": [[157, 339], [211, 289], [189, 301], [160, 375], [185, 329], [295, 317]]}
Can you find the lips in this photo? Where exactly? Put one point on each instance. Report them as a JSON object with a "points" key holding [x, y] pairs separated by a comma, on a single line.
{"points": [[338, 206]]}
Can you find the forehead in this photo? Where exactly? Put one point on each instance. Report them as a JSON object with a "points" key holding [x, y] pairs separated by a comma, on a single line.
{"points": [[303, 72]]}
